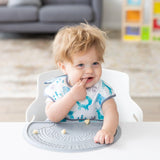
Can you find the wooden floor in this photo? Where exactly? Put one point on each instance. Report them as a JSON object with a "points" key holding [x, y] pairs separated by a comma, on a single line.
{"points": [[13, 109]]}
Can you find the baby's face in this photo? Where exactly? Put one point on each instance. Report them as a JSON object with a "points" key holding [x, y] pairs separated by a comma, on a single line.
{"points": [[85, 66]]}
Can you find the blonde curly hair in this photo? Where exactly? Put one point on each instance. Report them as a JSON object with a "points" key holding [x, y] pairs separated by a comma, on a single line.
{"points": [[78, 39]]}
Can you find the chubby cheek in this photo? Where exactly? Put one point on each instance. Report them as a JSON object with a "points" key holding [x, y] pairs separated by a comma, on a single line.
{"points": [[74, 77], [99, 73]]}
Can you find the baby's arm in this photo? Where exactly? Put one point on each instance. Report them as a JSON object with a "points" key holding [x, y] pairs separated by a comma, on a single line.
{"points": [[56, 111], [110, 123]]}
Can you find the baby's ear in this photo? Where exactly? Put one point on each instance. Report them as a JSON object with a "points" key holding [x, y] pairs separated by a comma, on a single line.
{"points": [[62, 67]]}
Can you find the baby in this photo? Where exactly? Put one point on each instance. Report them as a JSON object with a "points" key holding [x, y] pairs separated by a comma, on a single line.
{"points": [[80, 93]]}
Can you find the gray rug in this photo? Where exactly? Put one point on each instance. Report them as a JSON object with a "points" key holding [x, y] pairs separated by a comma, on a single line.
{"points": [[79, 137], [21, 60]]}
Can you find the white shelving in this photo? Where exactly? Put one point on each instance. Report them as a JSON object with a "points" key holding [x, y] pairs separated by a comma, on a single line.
{"points": [[136, 26]]}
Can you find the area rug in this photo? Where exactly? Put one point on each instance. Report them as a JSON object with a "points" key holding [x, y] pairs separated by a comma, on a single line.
{"points": [[23, 59]]}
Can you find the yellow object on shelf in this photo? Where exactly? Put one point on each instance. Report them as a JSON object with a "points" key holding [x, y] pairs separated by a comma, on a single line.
{"points": [[156, 7], [131, 38]]}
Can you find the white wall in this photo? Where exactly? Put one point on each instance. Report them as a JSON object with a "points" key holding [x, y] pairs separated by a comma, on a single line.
{"points": [[112, 12]]}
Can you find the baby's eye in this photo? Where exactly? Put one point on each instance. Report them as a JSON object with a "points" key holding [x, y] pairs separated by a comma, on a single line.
{"points": [[95, 63], [80, 65]]}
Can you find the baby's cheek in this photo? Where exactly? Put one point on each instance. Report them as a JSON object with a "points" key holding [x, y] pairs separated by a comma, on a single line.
{"points": [[99, 74], [75, 78]]}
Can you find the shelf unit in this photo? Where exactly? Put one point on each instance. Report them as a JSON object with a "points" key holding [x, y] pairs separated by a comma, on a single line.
{"points": [[134, 27], [155, 20]]}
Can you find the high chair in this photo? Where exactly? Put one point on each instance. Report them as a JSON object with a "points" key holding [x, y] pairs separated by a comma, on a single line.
{"points": [[128, 110]]}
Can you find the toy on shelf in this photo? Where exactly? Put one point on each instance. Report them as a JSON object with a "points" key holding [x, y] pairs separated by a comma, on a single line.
{"points": [[134, 2], [132, 33], [133, 16], [145, 33], [156, 24], [156, 9]]}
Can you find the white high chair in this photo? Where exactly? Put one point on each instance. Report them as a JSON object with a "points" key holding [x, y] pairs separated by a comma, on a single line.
{"points": [[128, 110]]}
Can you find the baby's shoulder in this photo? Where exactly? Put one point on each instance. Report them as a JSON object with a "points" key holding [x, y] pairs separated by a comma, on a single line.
{"points": [[60, 79], [105, 87], [55, 86], [104, 84], [57, 82]]}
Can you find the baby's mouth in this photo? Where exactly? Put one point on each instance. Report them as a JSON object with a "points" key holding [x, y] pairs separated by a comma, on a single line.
{"points": [[89, 79]]}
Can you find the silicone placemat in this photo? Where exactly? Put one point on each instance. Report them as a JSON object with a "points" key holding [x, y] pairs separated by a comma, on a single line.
{"points": [[78, 137]]}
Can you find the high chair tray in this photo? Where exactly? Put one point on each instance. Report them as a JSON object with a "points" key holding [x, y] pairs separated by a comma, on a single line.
{"points": [[78, 137]]}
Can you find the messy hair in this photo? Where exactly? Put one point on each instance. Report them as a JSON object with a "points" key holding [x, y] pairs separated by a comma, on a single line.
{"points": [[78, 39]]}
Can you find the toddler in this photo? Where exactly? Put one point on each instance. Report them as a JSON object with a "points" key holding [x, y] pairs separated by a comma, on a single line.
{"points": [[80, 93]]}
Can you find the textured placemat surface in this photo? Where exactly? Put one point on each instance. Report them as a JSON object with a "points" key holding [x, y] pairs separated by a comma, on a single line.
{"points": [[78, 137]]}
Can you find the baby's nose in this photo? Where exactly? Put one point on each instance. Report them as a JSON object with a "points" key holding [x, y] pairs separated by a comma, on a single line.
{"points": [[88, 69]]}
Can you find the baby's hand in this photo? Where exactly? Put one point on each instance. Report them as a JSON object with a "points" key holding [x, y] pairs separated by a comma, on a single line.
{"points": [[79, 90], [103, 137]]}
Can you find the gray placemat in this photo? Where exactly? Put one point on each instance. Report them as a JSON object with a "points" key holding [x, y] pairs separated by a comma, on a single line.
{"points": [[78, 137]]}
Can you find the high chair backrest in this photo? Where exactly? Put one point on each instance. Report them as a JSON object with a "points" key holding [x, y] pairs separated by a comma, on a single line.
{"points": [[128, 110]]}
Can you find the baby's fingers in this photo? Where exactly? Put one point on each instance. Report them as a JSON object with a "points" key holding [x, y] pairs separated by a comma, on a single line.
{"points": [[96, 139], [99, 139], [102, 139], [111, 140], [108, 139], [83, 82]]}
